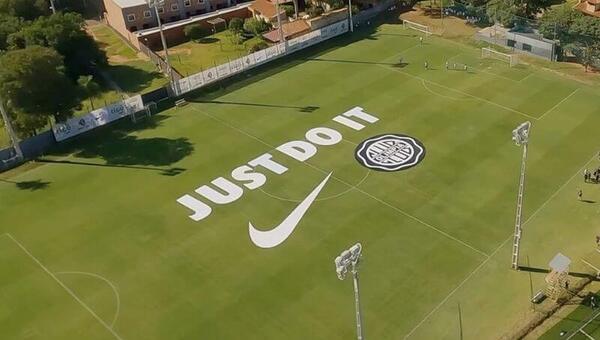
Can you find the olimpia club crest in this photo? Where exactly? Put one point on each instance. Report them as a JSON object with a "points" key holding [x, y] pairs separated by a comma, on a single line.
{"points": [[390, 152]]}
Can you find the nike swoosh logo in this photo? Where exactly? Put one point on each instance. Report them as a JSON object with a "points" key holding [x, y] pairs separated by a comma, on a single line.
{"points": [[276, 236]]}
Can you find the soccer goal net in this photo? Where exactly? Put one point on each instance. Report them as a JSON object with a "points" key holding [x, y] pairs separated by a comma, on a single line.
{"points": [[511, 59], [417, 27]]}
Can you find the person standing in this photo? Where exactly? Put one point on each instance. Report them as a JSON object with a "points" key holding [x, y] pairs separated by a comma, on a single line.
{"points": [[579, 194], [426, 65], [421, 40]]}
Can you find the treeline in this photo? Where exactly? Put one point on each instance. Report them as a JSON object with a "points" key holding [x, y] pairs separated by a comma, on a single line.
{"points": [[578, 34], [47, 62]]}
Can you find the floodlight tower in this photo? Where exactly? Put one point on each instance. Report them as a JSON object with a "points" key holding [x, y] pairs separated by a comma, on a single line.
{"points": [[521, 138], [350, 15], [156, 4], [348, 260]]}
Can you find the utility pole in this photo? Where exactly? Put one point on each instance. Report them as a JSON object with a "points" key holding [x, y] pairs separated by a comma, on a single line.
{"points": [[281, 37], [52, 7], [350, 15], [521, 138], [11, 131], [348, 260], [155, 4]]}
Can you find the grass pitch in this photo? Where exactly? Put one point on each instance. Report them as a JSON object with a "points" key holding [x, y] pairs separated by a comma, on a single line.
{"points": [[95, 246]]}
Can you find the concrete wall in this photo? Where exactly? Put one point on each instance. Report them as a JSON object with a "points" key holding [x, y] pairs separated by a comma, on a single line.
{"points": [[327, 18], [32, 147]]}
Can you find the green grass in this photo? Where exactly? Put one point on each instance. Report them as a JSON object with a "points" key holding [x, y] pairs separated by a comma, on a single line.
{"points": [[191, 57], [435, 236], [112, 43], [584, 317]]}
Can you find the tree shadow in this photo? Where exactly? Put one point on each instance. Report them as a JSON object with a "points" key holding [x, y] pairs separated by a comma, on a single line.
{"points": [[210, 40], [131, 78], [38, 184], [305, 109]]}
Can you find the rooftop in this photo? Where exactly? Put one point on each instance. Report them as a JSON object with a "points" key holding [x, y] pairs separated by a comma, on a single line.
{"points": [[265, 7], [583, 7], [289, 30], [130, 3]]}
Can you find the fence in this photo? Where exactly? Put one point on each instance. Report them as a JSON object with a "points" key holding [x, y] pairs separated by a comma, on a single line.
{"points": [[160, 63], [529, 43], [253, 60]]}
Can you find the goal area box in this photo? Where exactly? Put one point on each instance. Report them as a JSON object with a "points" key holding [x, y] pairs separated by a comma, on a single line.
{"points": [[489, 53], [407, 24]]}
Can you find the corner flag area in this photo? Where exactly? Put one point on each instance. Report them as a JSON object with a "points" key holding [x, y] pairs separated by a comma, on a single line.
{"points": [[221, 219]]}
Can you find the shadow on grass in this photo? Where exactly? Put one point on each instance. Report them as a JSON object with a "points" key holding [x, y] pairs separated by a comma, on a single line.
{"points": [[38, 184], [546, 271], [132, 79], [306, 109], [119, 149], [207, 40]]}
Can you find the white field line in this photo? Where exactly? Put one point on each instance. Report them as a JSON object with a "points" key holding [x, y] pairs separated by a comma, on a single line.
{"points": [[110, 284], [560, 102], [530, 218], [441, 95], [350, 185], [526, 77], [461, 92], [65, 287], [584, 325]]}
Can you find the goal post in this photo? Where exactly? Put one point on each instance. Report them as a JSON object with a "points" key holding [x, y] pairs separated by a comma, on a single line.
{"points": [[490, 53], [407, 24]]}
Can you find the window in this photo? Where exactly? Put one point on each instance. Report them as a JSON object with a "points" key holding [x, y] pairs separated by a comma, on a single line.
{"points": [[131, 17], [147, 14], [527, 47], [511, 43], [187, 3], [200, 2], [174, 7], [161, 10]]}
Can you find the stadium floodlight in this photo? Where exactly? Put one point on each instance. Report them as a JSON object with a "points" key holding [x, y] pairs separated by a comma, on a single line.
{"points": [[348, 261], [521, 138], [350, 15], [156, 4]]}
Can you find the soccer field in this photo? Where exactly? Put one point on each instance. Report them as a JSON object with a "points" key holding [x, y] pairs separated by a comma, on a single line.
{"points": [[94, 244]]}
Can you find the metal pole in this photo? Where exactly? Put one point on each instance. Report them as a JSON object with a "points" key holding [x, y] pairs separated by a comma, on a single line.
{"points": [[357, 304], [350, 15], [519, 215], [281, 38], [52, 7], [164, 43], [10, 131]]}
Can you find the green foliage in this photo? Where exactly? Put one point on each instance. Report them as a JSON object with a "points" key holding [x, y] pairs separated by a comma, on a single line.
{"points": [[8, 26], [255, 26], [260, 45], [335, 4], [34, 85], [26, 9], [289, 10], [66, 34], [315, 11], [236, 25], [236, 38], [505, 12], [195, 32]]}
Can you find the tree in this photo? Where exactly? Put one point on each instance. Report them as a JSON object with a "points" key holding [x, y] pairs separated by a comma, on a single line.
{"points": [[255, 26], [288, 9], [26, 9], [65, 32], [236, 25], [195, 32], [8, 25], [88, 87], [34, 86], [555, 23]]}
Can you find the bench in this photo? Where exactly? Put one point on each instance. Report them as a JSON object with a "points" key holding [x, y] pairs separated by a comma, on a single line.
{"points": [[181, 102]]}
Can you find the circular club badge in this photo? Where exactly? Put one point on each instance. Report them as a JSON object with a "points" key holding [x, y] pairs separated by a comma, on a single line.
{"points": [[390, 152]]}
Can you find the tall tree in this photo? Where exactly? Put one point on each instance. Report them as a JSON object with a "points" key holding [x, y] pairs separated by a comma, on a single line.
{"points": [[8, 25], [34, 86], [26, 9], [65, 32]]}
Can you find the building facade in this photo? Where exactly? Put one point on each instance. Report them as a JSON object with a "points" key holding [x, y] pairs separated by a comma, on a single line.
{"points": [[127, 16]]}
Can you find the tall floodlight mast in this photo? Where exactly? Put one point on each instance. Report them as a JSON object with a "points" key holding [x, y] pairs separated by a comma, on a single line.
{"points": [[348, 260], [156, 4], [521, 138]]}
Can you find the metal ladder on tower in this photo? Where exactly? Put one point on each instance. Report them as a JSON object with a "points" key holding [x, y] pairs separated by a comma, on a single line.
{"points": [[518, 230]]}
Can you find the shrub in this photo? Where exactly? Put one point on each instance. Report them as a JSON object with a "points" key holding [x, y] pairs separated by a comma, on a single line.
{"points": [[261, 45], [236, 25], [236, 38], [195, 32], [255, 26], [315, 11], [289, 10]]}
